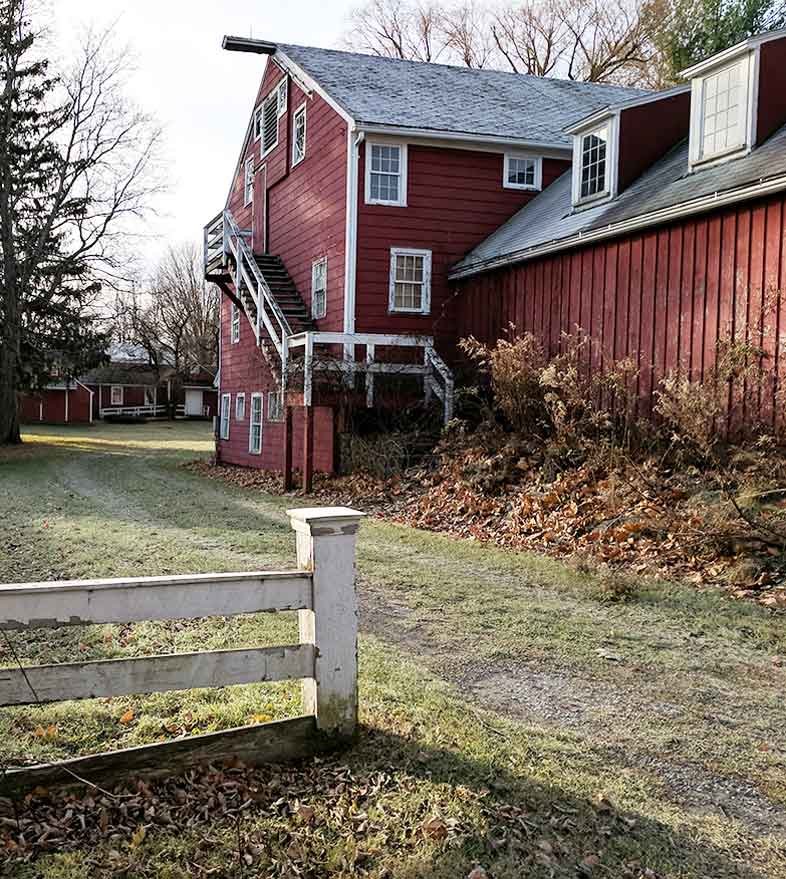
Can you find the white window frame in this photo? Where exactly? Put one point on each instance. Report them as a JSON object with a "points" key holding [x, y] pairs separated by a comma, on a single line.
{"points": [[275, 406], [240, 407], [251, 423], [425, 298], [258, 122], [747, 65], [112, 390], [281, 97], [297, 159], [611, 127], [266, 149], [538, 161], [401, 202], [224, 416], [248, 181], [234, 325], [317, 263]]}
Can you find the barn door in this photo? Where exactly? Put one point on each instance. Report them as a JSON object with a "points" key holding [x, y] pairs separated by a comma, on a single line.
{"points": [[259, 212]]}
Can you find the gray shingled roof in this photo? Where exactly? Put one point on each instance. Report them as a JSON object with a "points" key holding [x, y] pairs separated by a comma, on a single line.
{"points": [[412, 94], [549, 219]]}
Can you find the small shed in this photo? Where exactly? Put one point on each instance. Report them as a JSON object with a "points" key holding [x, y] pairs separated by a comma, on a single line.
{"points": [[65, 401]]}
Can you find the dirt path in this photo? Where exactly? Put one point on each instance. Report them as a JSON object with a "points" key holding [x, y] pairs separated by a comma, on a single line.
{"points": [[560, 697]]}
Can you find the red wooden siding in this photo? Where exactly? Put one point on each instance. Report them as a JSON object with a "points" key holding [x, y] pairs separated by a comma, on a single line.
{"points": [[663, 297], [771, 110], [245, 371], [455, 198], [49, 406], [303, 207], [648, 132]]}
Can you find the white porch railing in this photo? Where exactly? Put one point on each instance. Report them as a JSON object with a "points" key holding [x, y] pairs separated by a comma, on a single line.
{"points": [[133, 411], [321, 590]]}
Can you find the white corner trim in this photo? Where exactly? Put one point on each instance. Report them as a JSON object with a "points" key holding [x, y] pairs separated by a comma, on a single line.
{"points": [[351, 231], [402, 172], [425, 302], [537, 185]]}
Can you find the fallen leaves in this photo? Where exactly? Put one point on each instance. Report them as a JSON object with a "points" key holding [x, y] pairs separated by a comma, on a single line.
{"points": [[126, 717]]}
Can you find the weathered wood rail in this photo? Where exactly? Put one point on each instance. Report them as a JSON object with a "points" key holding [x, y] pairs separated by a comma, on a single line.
{"points": [[321, 590]]}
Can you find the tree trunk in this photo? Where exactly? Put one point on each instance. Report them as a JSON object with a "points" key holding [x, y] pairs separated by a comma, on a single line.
{"points": [[9, 416]]}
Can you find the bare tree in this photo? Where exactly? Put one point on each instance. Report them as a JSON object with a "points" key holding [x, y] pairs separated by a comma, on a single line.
{"points": [[175, 318], [593, 40], [76, 160]]}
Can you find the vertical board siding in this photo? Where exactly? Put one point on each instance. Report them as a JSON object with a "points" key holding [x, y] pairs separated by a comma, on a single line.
{"points": [[663, 297]]}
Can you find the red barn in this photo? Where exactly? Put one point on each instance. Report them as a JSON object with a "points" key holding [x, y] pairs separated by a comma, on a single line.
{"points": [[63, 401], [382, 209]]}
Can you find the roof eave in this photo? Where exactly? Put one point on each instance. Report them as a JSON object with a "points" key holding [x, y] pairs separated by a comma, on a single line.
{"points": [[655, 218]]}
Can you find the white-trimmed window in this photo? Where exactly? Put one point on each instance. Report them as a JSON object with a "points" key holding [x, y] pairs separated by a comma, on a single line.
{"points": [[248, 181], [269, 122], [281, 97], [255, 425], [319, 287], [226, 406], [522, 172], [386, 173], [723, 108], [275, 406], [258, 122], [594, 167], [410, 280], [299, 135], [116, 395], [240, 407], [235, 325]]}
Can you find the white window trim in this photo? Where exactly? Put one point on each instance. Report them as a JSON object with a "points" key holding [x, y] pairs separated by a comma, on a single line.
{"points": [[282, 92], [538, 160], [611, 124], [257, 131], [112, 390], [273, 94], [425, 302], [248, 181], [256, 396], [234, 324], [271, 397], [301, 108], [749, 77], [403, 163], [240, 401], [223, 425], [318, 262]]}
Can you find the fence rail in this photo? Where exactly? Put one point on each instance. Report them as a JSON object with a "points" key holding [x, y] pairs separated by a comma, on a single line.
{"points": [[321, 590]]}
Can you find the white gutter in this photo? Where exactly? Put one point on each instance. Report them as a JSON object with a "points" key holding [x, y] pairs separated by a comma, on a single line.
{"points": [[664, 215]]}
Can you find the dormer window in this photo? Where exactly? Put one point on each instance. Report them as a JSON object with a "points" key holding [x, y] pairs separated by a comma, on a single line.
{"points": [[719, 111], [594, 162]]}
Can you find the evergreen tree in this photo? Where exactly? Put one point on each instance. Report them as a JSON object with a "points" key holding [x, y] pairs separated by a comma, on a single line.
{"points": [[74, 161]]}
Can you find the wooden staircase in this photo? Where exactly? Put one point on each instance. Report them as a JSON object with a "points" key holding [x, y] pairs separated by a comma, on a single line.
{"points": [[283, 289]]}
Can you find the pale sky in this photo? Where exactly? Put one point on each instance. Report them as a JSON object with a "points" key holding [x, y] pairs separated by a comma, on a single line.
{"points": [[200, 94]]}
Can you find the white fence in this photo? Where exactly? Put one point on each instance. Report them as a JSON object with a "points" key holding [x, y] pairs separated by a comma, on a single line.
{"points": [[146, 411], [321, 590]]}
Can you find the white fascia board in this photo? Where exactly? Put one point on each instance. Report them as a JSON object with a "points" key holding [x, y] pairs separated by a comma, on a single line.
{"points": [[308, 84], [634, 224], [462, 140], [730, 54]]}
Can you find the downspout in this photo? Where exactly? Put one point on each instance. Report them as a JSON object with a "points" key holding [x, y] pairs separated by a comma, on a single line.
{"points": [[354, 139]]}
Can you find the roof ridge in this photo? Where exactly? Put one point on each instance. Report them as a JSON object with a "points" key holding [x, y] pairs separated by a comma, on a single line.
{"points": [[531, 77]]}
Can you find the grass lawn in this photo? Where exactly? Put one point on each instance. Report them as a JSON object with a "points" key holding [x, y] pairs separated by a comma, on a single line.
{"points": [[511, 717]]}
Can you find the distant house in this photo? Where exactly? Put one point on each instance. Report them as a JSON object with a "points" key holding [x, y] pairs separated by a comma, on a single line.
{"points": [[380, 210], [128, 386], [60, 401]]}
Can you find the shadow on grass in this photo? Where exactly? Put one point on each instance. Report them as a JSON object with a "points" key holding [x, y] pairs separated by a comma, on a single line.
{"points": [[389, 806]]}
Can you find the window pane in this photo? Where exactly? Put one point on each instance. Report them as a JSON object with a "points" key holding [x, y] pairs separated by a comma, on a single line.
{"points": [[593, 163]]}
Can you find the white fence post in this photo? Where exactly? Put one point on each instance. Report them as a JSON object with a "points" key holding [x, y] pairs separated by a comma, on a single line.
{"points": [[326, 546]]}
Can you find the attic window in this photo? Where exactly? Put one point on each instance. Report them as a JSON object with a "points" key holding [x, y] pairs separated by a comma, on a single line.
{"points": [[281, 97], [299, 135], [270, 123], [594, 148], [722, 105]]}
